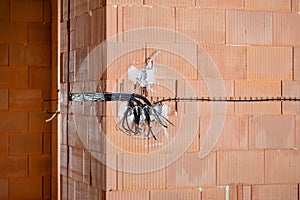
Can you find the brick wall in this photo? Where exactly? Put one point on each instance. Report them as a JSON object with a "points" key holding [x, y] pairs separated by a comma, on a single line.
{"points": [[25, 80], [254, 44]]}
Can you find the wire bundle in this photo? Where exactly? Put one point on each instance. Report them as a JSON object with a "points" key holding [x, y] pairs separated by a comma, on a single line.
{"points": [[137, 115]]}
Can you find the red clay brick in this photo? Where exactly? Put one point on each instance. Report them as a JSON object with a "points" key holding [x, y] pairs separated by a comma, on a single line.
{"points": [[64, 187], [171, 3], [248, 27], [177, 61], [120, 64], [276, 192], [103, 177], [64, 10], [64, 160], [4, 10], [291, 108], [125, 2], [47, 9], [273, 5], [95, 136], [71, 188], [94, 193], [167, 22], [16, 77], [25, 99], [296, 63], [79, 165], [287, 162], [81, 35], [4, 188], [121, 140], [39, 33], [188, 143], [27, 11], [295, 5], [199, 88], [127, 195], [229, 60], [45, 55], [297, 136], [187, 194], [269, 63], [3, 54], [81, 64], [144, 180], [247, 192], [46, 187], [286, 29], [97, 23], [185, 3], [72, 9], [3, 99], [3, 144], [271, 132], [252, 108], [14, 32], [47, 140], [81, 190], [63, 37], [291, 89], [111, 21], [143, 17], [257, 88], [220, 192], [229, 4], [135, 17], [27, 188], [234, 134], [40, 78], [8, 121], [214, 193], [14, 166], [94, 4], [162, 88], [37, 122], [191, 171], [73, 138], [32, 55], [246, 167], [81, 7], [205, 108], [17, 55], [202, 25], [39, 166], [25, 144]]}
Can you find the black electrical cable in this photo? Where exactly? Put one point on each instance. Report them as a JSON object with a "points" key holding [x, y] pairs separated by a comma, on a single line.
{"points": [[68, 82], [138, 105], [263, 99], [109, 96]]}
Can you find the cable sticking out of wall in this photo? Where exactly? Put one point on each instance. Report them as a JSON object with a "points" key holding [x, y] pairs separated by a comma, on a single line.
{"points": [[139, 113]]}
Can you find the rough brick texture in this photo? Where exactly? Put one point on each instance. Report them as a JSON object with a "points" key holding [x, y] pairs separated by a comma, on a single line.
{"points": [[275, 192], [253, 45], [245, 27], [26, 162], [235, 167], [272, 132]]}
